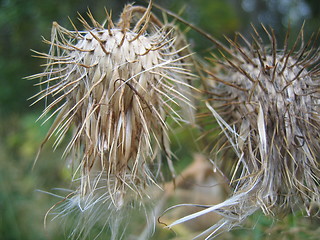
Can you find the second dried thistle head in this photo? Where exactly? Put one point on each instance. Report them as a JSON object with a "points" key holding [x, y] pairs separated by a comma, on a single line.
{"points": [[271, 98], [266, 101]]}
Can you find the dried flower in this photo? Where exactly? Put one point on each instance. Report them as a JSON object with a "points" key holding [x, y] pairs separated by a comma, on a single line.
{"points": [[115, 88], [266, 101]]}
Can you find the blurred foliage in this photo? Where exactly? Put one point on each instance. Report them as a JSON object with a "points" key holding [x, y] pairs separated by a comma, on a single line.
{"points": [[22, 208], [22, 23]]}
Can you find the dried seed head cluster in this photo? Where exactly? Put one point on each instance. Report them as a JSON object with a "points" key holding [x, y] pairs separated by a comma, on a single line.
{"points": [[272, 99], [266, 101], [115, 87]]}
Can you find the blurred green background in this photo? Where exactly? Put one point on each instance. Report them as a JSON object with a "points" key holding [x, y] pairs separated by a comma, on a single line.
{"points": [[22, 23]]}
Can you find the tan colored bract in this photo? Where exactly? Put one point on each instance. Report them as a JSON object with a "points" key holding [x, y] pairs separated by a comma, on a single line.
{"points": [[114, 88]]}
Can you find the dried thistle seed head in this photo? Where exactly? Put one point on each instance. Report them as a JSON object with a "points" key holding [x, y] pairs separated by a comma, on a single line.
{"points": [[273, 99], [115, 88], [266, 101]]}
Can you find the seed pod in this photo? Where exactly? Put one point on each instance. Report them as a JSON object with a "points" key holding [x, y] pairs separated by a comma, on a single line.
{"points": [[266, 101], [115, 88]]}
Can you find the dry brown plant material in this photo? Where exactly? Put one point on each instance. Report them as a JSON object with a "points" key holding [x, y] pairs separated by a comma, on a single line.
{"points": [[115, 88], [266, 101]]}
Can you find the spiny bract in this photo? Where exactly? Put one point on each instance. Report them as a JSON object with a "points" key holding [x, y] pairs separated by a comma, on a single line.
{"points": [[115, 88]]}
